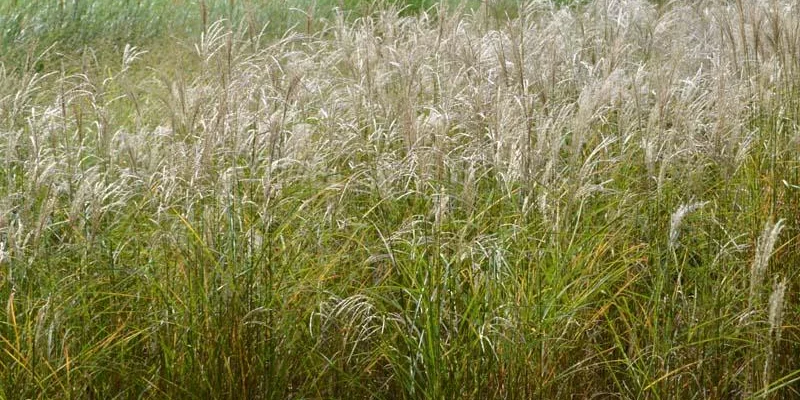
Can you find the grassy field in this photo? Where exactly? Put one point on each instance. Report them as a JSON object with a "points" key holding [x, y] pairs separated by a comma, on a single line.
{"points": [[343, 199]]}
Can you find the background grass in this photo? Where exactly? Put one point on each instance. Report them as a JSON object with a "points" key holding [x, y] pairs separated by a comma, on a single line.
{"points": [[493, 201], [72, 25]]}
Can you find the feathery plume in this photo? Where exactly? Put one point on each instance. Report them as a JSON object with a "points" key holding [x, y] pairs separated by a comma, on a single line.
{"points": [[775, 322], [677, 218], [761, 260]]}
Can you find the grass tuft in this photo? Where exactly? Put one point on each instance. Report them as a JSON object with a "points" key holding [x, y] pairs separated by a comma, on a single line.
{"points": [[330, 199]]}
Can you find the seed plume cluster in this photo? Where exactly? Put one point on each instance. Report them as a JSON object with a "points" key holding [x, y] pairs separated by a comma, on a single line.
{"points": [[581, 200]]}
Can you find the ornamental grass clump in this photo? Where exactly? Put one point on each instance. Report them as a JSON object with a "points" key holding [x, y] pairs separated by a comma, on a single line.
{"points": [[538, 201]]}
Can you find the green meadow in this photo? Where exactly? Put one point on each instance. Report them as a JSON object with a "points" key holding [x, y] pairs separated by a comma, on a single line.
{"points": [[348, 199]]}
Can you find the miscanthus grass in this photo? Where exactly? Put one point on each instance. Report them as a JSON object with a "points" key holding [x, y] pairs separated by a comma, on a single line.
{"points": [[540, 201]]}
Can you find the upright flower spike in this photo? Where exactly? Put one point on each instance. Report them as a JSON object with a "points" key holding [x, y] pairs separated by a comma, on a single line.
{"points": [[766, 243], [775, 323], [677, 218]]}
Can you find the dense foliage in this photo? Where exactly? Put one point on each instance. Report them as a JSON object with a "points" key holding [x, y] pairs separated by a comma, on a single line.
{"points": [[368, 200]]}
